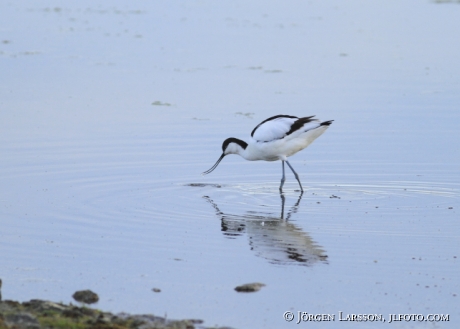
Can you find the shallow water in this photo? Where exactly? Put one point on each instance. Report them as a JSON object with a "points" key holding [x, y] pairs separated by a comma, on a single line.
{"points": [[110, 113]]}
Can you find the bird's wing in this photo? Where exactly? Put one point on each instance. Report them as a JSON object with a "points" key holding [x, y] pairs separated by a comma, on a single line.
{"points": [[273, 128], [280, 126]]}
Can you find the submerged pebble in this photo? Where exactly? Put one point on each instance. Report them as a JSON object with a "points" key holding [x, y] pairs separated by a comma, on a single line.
{"points": [[250, 287]]}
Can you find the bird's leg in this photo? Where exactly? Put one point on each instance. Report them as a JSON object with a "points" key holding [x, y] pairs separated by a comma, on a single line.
{"points": [[295, 174], [283, 178]]}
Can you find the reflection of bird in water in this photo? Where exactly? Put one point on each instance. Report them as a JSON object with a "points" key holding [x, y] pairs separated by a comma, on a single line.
{"points": [[276, 138], [273, 238]]}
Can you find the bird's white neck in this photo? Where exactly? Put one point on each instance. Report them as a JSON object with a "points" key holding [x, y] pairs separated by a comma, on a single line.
{"points": [[247, 152]]}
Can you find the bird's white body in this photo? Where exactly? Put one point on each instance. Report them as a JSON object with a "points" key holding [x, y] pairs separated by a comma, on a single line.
{"points": [[276, 138], [267, 145]]}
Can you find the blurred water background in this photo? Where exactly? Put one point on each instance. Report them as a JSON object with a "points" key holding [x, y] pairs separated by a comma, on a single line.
{"points": [[109, 112]]}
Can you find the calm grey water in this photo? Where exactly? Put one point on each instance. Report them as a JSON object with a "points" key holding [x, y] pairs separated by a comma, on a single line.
{"points": [[110, 112]]}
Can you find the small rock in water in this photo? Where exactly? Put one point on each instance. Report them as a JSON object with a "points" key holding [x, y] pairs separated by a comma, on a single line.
{"points": [[85, 296], [250, 287]]}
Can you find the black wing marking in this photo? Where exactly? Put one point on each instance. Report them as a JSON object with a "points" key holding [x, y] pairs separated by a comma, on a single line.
{"points": [[326, 123], [300, 123]]}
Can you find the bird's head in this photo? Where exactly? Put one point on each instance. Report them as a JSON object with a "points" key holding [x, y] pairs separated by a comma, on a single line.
{"points": [[229, 146], [233, 146]]}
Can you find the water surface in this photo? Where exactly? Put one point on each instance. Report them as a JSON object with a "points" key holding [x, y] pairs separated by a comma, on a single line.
{"points": [[109, 113]]}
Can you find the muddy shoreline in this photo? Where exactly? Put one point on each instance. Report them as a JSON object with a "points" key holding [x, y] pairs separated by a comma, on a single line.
{"points": [[41, 314]]}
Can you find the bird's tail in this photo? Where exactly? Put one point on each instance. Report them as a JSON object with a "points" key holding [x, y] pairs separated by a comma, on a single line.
{"points": [[326, 123]]}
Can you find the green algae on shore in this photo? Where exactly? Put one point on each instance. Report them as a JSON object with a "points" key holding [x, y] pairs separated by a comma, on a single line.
{"points": [[41, 314]]}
